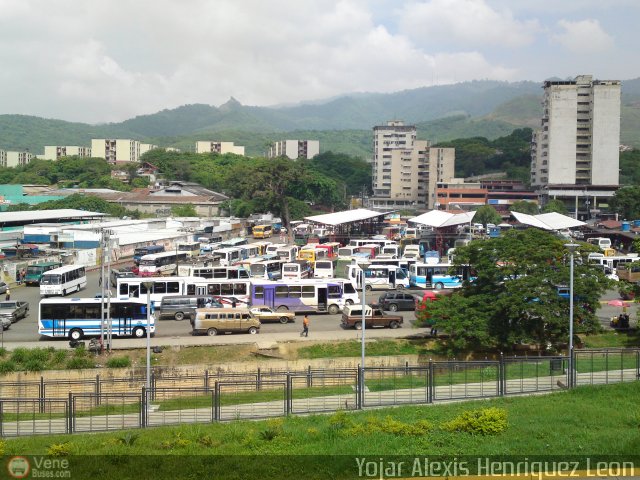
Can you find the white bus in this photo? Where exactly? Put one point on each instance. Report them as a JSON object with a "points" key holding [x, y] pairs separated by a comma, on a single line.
{"points": [[226, 290], [273, 248], [63, 280], [323, 269], [288, 253], [230, 255], [76, 318], [267, 269], [222, 273], [296, 270], [309, 295], [192, 249], [383, 277], [165, 263]]}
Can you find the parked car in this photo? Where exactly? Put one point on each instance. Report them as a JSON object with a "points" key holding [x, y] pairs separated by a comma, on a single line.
{"points": [[268, 314], [121, 273], [395, 301], [3, 288], [14, 310], [374, 317], [179, 307]]}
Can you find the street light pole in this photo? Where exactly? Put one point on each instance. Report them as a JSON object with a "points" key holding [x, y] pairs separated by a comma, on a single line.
{"points": [[572, 247], [148, 286]]}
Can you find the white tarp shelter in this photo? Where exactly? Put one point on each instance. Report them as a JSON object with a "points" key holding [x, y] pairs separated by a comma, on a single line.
{"points": [[548, 221], [347, 216], [440, 219]]}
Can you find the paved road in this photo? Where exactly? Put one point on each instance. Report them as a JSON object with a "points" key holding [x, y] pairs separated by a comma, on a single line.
{"points": [[171, 332]]}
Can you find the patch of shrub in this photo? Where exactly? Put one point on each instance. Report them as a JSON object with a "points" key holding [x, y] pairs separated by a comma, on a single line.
{"points": [[340, 420], [178, 441], [485, 421], [207, 441], [390, 425], [3, 351], [20, 355], [39, 354], [60, 449], [119, 362], [59, 357], [7, 366], [34, 365], [79, 363]]}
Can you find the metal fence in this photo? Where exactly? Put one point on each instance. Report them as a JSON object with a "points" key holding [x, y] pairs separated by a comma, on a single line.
{"points": [[102, 404]]}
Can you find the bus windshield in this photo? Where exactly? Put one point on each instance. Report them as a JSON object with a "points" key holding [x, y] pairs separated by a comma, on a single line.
{"points": [[50, 280], [35, 269]]}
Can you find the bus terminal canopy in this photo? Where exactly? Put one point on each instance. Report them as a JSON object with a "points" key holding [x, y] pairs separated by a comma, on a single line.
{"points": [[347, 216], [548, 221], [440, 219]]}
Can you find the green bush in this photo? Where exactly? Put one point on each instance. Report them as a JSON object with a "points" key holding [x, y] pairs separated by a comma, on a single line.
{"points": [[39, 354], [7, 366], [119, 362], [78, 363], [59, 357], [3, 351], [60, 449], [485, 421], [20, 355], [34, 365]]}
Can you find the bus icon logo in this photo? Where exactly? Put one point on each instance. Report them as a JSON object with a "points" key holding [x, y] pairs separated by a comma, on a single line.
{"points": [[18, 467]]}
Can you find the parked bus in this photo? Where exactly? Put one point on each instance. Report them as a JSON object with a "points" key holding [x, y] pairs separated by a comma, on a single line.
{"points": [[273, 248], [309, 295], [373, 249], [140, 252], [261, 247], [262, 231], [63, 280], [230, 255], [35, 272], [345, 253], [331, 248], [402, 263], [165, 263], [385, 277], [367, 241], [438, 275], [223, 273], [311, 254], [323, 269], [288, 253], [76, 318], [223, 290], [390, 250], [296, 270], [267, 269], [192, 249]]}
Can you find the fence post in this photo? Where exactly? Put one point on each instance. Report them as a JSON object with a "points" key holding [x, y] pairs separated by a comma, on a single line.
{"points": [[359, 387], [430, 382], [42, 394], [638, 364], [216, 412], [70, 426], [97, 390], [206, 379], [502, 376], [259, 379], [288, 395], [144, 407], [309, 377], [2, 419]]}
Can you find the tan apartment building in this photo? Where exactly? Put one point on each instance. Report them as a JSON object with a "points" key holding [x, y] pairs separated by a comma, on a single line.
{"points": [[17, 159], [54, 152], [3, 158], [218, 147], [146, 147], [406, 170], [116, 150], [294, 149]]}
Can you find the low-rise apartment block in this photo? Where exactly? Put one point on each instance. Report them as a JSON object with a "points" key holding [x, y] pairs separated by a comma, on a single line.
{"points": [[294, 149], [115, 150], [54, 152], [218, 147], [16, 159]]}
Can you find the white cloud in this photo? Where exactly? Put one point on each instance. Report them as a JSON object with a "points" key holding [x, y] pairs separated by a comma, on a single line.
{"points": [[585, 36], [466, 23]]}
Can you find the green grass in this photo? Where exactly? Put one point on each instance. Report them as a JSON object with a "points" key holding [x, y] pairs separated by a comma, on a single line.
{"points": [[606, 423], [354, 349], [610, 339]]}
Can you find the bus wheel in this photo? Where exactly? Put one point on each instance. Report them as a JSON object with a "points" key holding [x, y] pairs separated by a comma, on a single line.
{"points": [[138, 332], [439, 286], [76, 334], [212, 332], [179, 316], [334, 309], [282, 308], [399, 286], [358, 325]]}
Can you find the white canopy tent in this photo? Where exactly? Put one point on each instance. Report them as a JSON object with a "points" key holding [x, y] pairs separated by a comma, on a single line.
{"points": [[440, 219], [346, 216], [548, 221]]}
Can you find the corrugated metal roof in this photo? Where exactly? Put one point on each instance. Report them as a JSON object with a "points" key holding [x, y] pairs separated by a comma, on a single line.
{"points": [[346, 216], [44, 215], [548, 221], [440, 219]]}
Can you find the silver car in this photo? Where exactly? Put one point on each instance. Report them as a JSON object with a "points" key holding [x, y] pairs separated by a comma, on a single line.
{"points": [[14, 310]]}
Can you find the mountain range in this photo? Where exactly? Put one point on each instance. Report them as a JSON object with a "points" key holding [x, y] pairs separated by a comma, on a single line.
{"points": [[344, 124]]}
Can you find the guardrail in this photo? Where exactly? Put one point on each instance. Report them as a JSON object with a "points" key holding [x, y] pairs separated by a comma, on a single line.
{"points": [[102, 404]]}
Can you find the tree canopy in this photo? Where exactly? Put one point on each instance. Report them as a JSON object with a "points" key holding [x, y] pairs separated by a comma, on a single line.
{"points": [[515, 295]]}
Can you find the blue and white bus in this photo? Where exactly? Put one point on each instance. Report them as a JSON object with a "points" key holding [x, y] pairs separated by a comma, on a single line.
{"points": [[378, 277], [140, 252], [267, 269], [233, 242], [307, 295], [76, 318], [437, 275], [63, 280]]}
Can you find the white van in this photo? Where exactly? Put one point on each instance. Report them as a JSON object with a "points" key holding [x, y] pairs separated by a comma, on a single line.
{"points": [[411, 252], [602, 242]]}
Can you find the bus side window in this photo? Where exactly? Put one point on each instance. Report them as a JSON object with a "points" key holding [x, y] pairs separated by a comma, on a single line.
{"points": [[124, 289]]}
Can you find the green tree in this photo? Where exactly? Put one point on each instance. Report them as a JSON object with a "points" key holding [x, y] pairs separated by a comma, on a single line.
{"points": [[514, 297], [626, 202], [523, 206], [487, 214], [187, 210], [555, 205]]}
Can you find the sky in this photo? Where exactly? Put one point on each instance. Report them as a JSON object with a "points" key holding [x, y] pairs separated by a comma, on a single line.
{"points": [[100, 61]]}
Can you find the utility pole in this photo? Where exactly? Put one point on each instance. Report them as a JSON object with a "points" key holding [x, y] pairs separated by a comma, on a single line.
{"points": [[108, 279], [102, 294]]}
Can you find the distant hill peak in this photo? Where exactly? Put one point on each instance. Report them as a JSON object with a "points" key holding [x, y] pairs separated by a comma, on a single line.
{"points": [[230, 105]]}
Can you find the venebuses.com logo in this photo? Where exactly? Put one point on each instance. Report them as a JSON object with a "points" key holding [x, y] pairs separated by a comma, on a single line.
{"points": [[18, 467]]}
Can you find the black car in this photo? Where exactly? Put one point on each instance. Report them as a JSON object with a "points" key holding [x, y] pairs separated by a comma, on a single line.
{"points": [[395, 301], [122, 273]]}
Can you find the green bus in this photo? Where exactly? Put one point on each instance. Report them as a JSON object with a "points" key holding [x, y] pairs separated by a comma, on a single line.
{"points": [[34, 272]]}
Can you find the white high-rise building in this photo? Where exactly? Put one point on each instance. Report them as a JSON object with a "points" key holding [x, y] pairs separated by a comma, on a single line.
{"points": [[115, 150], [405, 170], [218, 147], [54, 152], [579, 139], [294, 149]]}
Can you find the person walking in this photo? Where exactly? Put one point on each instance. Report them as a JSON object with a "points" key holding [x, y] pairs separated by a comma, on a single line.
{"points": [[19, 277], [23, 275], [305, 326], [7, 295]]}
